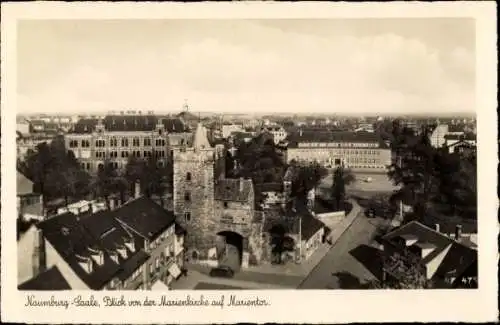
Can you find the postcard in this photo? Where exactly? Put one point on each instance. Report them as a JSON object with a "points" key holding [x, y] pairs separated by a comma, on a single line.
{"points": [[250, 162]]}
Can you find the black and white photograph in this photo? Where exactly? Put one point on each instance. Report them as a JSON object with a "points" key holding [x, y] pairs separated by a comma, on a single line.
{"points": [[234, 154]]}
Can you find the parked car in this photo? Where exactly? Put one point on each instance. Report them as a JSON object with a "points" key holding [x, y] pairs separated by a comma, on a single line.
{"points": [[368, 180], [222, 272]]}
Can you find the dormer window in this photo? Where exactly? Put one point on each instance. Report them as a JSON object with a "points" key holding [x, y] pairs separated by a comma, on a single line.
{"points": [[130, 244]]}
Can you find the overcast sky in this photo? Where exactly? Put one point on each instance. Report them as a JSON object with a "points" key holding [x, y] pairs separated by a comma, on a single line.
{"points": [[336, 65]]}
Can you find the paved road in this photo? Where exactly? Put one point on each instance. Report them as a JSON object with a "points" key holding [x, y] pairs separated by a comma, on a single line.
{"points": [[340, 260]]}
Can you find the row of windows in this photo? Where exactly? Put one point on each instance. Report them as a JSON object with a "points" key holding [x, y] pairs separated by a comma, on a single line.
{"points": [[341, 144], [125, 154], [362, 160], [114, 143], [343, 152], [74, 143]]}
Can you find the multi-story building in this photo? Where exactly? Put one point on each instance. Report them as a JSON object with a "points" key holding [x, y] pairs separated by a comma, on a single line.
{"points": [[355, 150], [131, 247], [277, 131], [437, 137], [116, 138]]}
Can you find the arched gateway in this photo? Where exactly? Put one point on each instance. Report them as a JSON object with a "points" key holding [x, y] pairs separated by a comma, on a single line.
{"points": [[230, 249]]}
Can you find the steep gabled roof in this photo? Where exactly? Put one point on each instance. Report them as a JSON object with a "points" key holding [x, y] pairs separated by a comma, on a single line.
{"points": [[51, 280], [457, 258]]}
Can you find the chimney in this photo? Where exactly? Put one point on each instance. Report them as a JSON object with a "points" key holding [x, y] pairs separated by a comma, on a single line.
{"points": [[436, 227], [112, 204], [458, 232], [137, 190], [300, 132], [241, 184]]}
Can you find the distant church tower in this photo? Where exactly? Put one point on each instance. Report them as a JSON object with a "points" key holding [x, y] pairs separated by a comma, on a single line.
{"points": [[194, 173]]}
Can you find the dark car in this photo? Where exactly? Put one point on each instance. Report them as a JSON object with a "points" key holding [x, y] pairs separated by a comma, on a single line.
{"points": [[222, 272]]}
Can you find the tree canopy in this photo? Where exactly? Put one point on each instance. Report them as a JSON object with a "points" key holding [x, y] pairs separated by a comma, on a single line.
{"points": [[432, 177], [55, 171]]}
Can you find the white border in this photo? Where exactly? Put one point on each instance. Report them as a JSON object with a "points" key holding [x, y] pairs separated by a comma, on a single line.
{"points": [[287, 306]]}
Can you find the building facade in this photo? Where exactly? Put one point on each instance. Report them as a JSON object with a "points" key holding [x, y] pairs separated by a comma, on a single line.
{"points": [[116, 138], [355, 150]]}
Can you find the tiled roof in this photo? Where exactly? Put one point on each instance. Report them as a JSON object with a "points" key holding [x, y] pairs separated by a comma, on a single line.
{"points": [[24, 185], [128, 123], [458, 257], [145, 216], [229, 190], [85, 125], [106, 231], [51, 280], [290, 218], [71, 239]]}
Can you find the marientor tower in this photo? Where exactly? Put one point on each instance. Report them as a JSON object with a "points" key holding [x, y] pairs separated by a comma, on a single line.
{"points": [[194, 172]]}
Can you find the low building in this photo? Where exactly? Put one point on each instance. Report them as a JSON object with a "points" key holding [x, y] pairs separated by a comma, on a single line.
{"points": [[128, 248], [446, 261], [457, 143], [355, 150], [29, 203]]}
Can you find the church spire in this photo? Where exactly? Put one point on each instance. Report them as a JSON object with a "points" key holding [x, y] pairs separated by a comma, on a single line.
{"points": [[200, 137]]}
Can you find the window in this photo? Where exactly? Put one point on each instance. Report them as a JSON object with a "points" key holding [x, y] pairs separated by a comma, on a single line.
{"points": [[188, 176], [226, 205], [150, 267], [124, 142], [135, 142], [113, 142], [187, 216], [147, 142], [73, 144], [187, 196], [157, 262]]}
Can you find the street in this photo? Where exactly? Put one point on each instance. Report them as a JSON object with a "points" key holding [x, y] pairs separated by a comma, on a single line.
{"points": [[339, 259]]}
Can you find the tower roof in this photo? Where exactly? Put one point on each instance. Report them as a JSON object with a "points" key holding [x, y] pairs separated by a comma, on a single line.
{"points": [[200, 138]]}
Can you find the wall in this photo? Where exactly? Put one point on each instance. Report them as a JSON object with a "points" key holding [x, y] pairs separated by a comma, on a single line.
{"points": [[311, 245], [54, 259], [201, 189], [25, 250]]}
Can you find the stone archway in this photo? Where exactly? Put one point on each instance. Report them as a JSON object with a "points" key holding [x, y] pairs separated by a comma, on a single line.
{"points": [[230, 249]]}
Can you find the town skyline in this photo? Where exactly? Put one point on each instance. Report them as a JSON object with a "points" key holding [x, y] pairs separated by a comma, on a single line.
{"points": [[230, 66]]}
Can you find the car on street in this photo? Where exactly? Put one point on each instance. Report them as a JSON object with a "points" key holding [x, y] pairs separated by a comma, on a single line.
{"points": [[222, 272], [368, 180]]}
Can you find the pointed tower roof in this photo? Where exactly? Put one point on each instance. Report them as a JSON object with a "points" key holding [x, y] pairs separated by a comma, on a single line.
{"points": [[200, 137]]}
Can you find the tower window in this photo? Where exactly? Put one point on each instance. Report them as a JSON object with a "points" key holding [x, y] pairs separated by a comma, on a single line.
{"points": [[187, 196], [188, 176], [187, 216], [226, 205]]}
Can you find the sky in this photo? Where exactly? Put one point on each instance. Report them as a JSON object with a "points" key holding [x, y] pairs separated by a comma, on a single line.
{"points": [[353, 66]]}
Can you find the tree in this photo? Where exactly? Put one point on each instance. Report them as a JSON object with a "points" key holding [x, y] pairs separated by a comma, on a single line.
{"points": [[341, 178], [55, 172], [306, 178]]}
